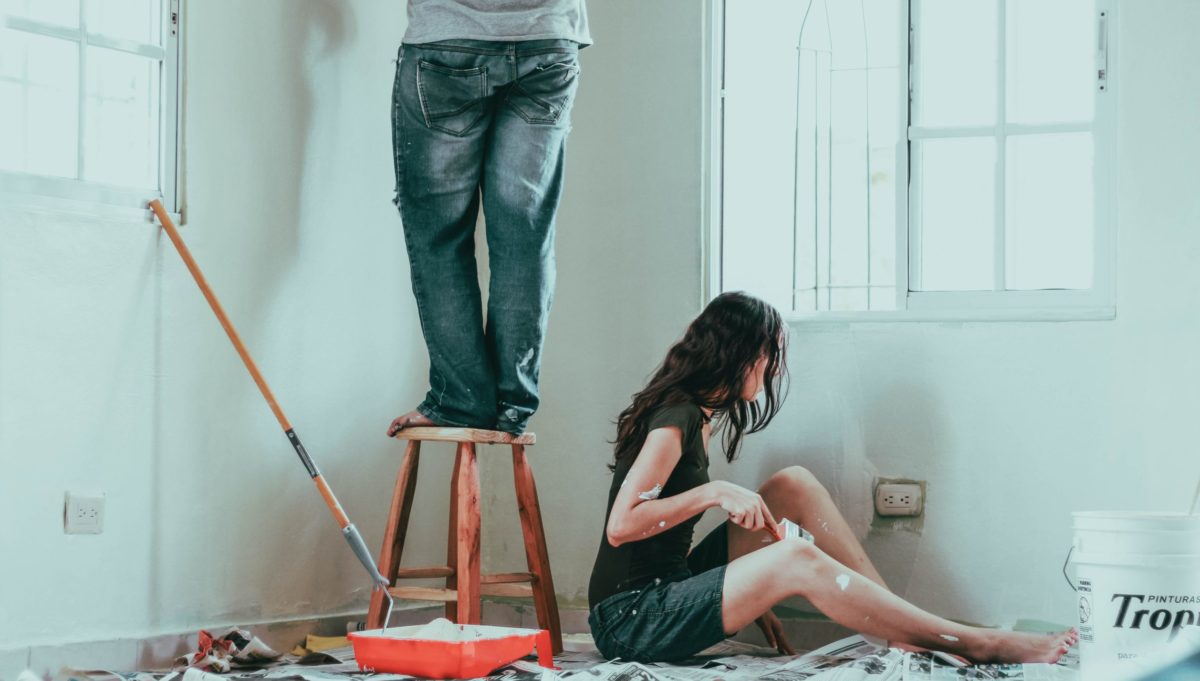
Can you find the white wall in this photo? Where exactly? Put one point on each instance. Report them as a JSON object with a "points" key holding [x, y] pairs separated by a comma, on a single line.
{"points": [[114, 376]]}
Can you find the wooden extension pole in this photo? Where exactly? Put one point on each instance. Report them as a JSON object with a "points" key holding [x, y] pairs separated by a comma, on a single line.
{"points": [[348, 530]]}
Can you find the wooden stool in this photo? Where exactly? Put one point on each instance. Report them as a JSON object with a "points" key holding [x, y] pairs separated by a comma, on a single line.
{"points": [[464, 583]]}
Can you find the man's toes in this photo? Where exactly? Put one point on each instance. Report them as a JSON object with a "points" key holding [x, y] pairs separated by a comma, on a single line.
{"points": [[410, 420], [398, 424]]}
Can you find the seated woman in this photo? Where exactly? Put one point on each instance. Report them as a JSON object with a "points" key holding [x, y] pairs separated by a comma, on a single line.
{"points": [[651, 600]]}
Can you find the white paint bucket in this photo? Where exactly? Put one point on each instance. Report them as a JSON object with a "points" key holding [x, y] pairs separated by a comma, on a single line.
{"points": [[1138, 583]]}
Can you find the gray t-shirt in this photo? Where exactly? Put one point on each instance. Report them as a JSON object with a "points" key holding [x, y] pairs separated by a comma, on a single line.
{"points": [[503, 20]]}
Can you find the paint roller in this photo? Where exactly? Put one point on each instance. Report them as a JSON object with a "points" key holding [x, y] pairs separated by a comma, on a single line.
{"points": [[349, 531]]}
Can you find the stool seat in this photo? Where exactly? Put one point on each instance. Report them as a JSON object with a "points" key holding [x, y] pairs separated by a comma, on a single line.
{"points": [[440, 434], [465, 581]]}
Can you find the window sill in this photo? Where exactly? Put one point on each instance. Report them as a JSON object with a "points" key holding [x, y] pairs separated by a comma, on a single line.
{"points": [[1080, 314], [75, 208]]}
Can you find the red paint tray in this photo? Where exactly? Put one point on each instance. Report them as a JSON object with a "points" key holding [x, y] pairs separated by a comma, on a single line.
{"points": [[397, 652]]}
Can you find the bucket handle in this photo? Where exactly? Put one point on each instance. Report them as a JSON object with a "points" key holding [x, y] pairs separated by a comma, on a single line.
{"points": [[1064, 570]]}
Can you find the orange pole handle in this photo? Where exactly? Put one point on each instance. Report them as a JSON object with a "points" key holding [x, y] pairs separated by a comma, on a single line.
{"points": [[215, 304], [349, 531], [173, 233]]}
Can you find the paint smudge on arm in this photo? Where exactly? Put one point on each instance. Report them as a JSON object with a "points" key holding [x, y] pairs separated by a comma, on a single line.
{"points": [[948, 637], [651, 494], [843, 581]]}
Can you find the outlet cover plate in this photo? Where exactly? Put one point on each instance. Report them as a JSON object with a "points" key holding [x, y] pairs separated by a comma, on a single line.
{"points": [[83, 513], [899, 499]]}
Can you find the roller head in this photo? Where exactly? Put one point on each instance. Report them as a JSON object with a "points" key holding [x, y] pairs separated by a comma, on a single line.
{"points": [[359, 547]]}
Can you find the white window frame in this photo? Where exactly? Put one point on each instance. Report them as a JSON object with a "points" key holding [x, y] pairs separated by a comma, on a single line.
{"points": [[1096, 303], [76, 196]]}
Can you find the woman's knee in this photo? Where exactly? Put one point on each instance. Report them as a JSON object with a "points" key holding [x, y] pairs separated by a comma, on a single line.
{"points": [[802, 560], [796, 480]]}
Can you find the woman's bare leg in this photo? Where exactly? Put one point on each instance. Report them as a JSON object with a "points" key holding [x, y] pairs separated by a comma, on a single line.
{"points": [[795, 494], [759, 580]]}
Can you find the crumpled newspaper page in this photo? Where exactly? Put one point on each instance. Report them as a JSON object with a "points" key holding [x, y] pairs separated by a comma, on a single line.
{"points": [[221, 653]]}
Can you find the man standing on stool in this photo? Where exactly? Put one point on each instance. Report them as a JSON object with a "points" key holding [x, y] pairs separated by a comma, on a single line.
{"points": [[480, 113]]}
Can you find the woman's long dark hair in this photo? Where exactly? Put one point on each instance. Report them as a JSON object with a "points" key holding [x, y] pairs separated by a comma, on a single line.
{"points": [[708, 368]]}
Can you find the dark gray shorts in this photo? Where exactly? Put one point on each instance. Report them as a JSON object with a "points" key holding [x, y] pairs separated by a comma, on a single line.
{"points": [[671, 619]]}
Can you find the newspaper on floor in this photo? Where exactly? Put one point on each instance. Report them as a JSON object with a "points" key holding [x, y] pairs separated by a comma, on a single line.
{"points": [[220, 653], [850, 659], [923, 667]]}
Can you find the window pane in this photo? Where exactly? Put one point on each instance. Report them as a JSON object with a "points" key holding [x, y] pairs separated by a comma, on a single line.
{"points": [[39, 115], [138, 20], [1049, 211], [884, 23], [759, 149], [886, 130], [956, 213], [812, 179], [810, 151], [848, 33], [121, 119], [956, 63], [58, 12], [848, 299], [848, 250], [1050, 65]]}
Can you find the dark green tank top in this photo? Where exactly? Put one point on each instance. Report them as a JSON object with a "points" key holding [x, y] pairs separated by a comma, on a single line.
{"points": [[663, 556]]}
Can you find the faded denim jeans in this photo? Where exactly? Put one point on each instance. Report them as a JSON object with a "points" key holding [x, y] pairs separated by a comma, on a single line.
{"points": [[479, 122]]}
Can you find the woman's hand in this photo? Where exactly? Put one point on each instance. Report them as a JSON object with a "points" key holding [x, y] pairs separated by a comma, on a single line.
{"points": [[745, 508], [772, 628]]}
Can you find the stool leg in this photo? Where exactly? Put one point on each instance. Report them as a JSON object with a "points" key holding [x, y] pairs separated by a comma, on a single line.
{"points": [[452, 537], [396, 530], [536, 556], [469, 603]]}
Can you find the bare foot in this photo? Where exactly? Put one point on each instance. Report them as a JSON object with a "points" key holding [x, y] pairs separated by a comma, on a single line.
{"points": [[1015, 647], [412, 419]]}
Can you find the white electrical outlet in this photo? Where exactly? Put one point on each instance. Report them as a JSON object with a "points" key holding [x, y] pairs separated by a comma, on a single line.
{"points": [[899, 499], [84, 513]]}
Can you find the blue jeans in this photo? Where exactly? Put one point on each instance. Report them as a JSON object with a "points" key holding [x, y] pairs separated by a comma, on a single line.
{"points": [[672, 618], [482, 122], [667, 620]]}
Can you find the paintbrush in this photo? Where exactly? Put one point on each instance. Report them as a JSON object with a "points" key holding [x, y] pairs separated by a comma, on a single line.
{"points": [[789, 529]]}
